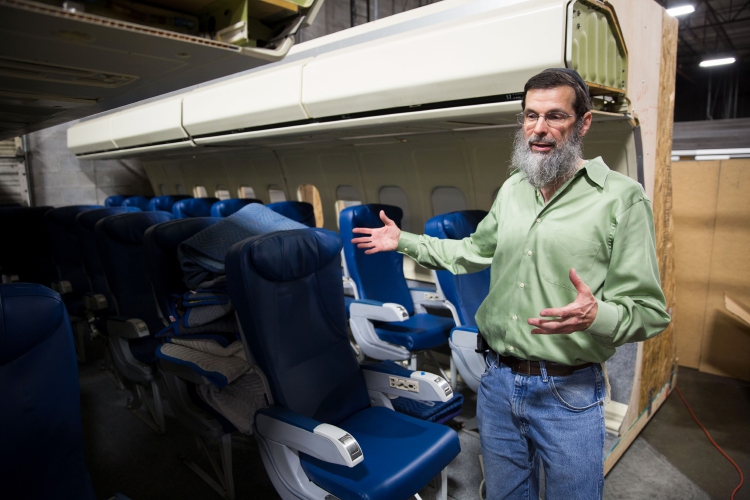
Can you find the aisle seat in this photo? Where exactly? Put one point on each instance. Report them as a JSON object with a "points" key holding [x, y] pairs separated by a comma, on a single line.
{"points": [[464, 292], [131, 332], [193, 207], [225, 208], [328, 432], [42, 440]]}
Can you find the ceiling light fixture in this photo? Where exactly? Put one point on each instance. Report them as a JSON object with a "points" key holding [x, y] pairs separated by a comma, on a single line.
{"points": [[716, 62], [681, 10]]}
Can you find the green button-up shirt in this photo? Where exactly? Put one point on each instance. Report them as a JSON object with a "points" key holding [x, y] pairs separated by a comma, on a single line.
{"points": [[600, 223]]}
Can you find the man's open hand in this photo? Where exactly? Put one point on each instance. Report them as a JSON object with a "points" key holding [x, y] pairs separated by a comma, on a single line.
{"points": [[382, 239], [575, 317]]}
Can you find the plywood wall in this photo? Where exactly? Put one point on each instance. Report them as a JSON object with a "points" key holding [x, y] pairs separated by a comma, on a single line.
{"points": [[712, 257]]}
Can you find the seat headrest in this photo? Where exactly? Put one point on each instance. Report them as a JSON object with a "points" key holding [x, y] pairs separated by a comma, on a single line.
{"points": [[168, 235], [165, 203], [193, 207], [88, 219], [114, 201], [298, 211], [291, 255], [27, 308], [128, 228], [369, 215], [66, 216], [137, 201], [454, 225], [225, 208]]}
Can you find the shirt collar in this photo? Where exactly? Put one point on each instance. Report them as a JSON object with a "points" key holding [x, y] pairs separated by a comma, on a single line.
{"points": [[597, 171]]}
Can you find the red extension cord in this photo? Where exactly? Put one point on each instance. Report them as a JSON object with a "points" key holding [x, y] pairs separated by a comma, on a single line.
{"points": [[742, 478]]}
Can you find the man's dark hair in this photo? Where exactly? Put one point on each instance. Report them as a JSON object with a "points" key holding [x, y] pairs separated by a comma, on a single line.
{"points": [[563, 77]]}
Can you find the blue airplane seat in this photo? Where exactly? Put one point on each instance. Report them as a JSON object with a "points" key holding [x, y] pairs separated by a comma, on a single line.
{"points": [[66, 250], [42, 440], [85, 223], [330, 430], [114, 201], [131, 332], [299, 211], [162, 242], [465, 292], [29, 258], [193, 207], [225, 208], [137, 201], [384, 321], [165, 203]]}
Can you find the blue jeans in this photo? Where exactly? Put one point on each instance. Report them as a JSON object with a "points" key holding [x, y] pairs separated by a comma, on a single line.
{"points": [[530, 420]]}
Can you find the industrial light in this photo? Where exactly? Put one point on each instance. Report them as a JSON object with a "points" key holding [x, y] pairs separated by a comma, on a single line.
{"points": [[717, 62], [681, 10]]}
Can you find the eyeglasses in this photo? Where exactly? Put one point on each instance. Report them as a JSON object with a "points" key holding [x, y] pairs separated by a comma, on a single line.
{"points": [[553, 119]]}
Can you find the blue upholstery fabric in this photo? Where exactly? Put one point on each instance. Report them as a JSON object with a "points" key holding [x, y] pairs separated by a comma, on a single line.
{"points": [[419, 332], [193, 207], [402, 454], [42, 439], [123, 255], [165, 203], [225, 208], [430, 410], [114, 201], [66, 249], [289, 417], [30, 255], [299, 211], [136, 201], [379, 276], [162, 241], [465, 291], [85, 222], [286, 287]]}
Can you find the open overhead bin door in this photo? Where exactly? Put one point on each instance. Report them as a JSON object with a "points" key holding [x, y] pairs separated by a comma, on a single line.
{"points": [[58, 64]]}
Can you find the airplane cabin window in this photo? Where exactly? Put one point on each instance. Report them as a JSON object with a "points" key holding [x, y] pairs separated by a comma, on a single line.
{"points": [[163, 189], [245, 192], [200, 192], [342, 204], [447, 199], [276, 194], [311, 195], [222, 193], [180, 189], [394, 195]]}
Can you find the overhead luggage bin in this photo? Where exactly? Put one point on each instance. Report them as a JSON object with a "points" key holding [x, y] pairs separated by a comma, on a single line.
{"points": [[67, 60], [457, 66], [160, 122]]}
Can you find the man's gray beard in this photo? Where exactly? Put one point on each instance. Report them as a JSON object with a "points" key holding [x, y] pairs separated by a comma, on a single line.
{"points": [[550, 169]]}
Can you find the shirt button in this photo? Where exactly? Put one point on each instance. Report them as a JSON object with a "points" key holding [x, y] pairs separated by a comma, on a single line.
{"points": [[406, 249], [521, 285], [538, 221], [528, 253], [510, 348], [515, 317]]}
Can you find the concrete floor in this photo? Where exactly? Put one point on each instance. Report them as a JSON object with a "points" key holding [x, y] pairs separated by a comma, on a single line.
{"points": [[671, 459]]}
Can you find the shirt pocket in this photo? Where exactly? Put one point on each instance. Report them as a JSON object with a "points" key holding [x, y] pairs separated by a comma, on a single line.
{"points": [[569, 252]]}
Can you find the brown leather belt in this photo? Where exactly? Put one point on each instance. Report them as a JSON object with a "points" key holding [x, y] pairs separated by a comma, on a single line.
{"points": [[526, 367]]}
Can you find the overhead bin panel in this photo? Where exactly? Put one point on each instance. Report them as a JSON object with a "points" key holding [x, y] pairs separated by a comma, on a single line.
{"points": [[270, 96], [492, 54], [90, 136], [152, 123]]}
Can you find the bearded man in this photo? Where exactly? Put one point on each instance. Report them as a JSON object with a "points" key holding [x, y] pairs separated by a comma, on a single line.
{"points": [[574, 275]]}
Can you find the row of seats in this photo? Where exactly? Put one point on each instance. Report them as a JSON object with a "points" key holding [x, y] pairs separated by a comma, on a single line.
{"points": [[127, 240]]}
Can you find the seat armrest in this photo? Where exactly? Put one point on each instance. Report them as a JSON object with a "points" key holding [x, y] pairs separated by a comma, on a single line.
{"points": [[94, 301], [377, 311], [389, 378], [62, 287], [322, 441], [465, 336], [127, 328]]}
